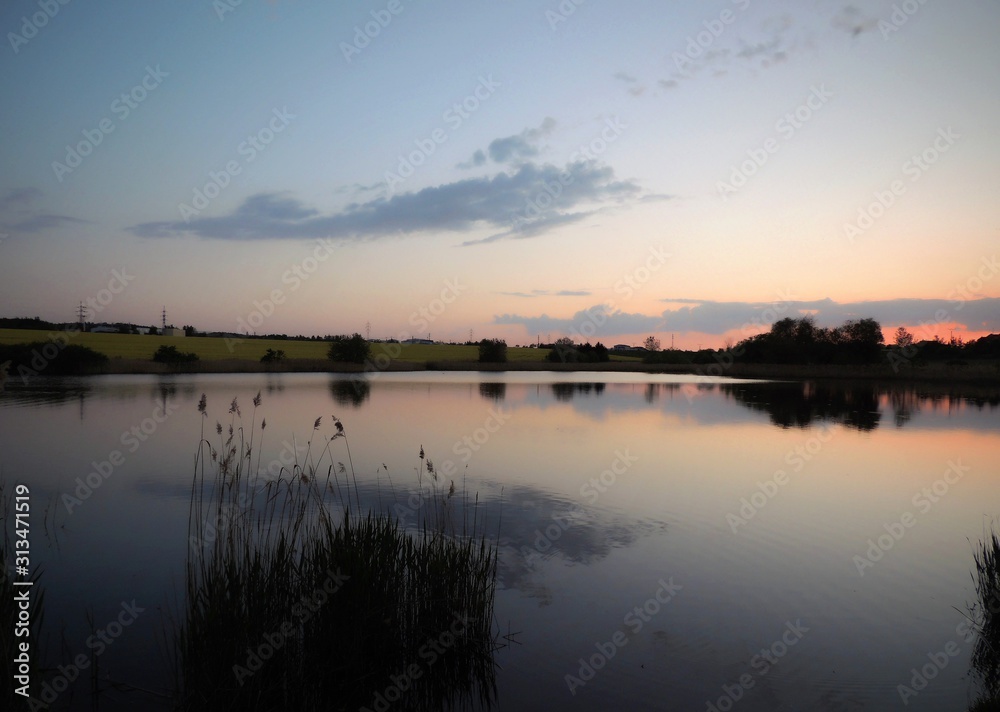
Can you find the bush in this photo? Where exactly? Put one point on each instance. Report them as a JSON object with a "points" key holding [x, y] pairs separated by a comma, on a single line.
{"points": [[565, 351], [492, 351], [352, 349], [51, 358], [171, 356], [272, 356]]}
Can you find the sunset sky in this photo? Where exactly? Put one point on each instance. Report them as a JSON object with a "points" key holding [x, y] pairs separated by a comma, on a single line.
{"points": [[521, 169]]}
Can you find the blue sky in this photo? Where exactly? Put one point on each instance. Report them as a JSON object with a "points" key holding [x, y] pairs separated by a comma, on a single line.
{"points": [[679, 170]]}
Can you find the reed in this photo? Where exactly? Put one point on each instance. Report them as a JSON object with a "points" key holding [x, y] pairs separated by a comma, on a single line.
{"points": [[298, 598], [986, 615]]}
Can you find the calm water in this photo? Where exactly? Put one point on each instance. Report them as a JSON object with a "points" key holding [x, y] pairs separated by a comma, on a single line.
{"points": [[665, 530]]}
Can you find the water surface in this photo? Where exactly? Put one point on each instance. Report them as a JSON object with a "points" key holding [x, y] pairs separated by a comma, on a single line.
{"points": [[665, 529]]}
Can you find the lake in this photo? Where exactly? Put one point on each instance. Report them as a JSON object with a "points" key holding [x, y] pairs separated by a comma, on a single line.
{"points": [[664, 542]]}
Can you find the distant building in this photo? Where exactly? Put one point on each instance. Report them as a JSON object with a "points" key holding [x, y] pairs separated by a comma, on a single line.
{"points": [[171, 331], [621, 347], [104, 330], [418, 341]]}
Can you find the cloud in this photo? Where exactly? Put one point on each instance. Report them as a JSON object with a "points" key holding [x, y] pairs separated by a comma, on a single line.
{"points": [[522, 145], [852, 21], [508, 201], [549, 293], [773, 39], [712, 317], [718, 318], [634, 88], [595, 322], [20, 216], [478, 159], [42, 222], [19, 198]]}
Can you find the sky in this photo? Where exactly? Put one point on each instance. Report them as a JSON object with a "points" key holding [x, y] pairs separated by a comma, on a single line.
{"points": [[518, 170]]}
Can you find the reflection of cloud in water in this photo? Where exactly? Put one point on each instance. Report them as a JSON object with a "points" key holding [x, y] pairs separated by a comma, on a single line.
{"points": [[538, 527], [535, 526]]}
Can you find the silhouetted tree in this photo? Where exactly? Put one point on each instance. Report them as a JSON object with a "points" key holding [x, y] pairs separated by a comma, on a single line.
{"points": [[353, 349], [492, 351], [903, 337], [651, 343]]}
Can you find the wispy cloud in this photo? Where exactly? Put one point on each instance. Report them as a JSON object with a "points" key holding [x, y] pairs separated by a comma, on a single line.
{"points": [[752, 42], [549, 293], [634, 87], [471, 204], [18, 213], [19, 198]]}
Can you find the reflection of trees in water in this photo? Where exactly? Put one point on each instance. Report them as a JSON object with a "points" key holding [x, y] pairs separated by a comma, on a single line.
{"points": [[566, 391], [350, 391], [985, 615], [653, 390], [493, 391], [855, 404], [800, 404]]}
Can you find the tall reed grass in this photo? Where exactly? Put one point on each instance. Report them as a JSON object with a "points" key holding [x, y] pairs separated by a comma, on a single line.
{"points": [[298, 598], [986, 615]]}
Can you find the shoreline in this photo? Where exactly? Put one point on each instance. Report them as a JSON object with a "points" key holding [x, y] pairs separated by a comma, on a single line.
{"points": [[986, 373]]}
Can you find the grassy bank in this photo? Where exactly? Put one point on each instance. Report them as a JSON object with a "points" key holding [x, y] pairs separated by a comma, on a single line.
{"points": [[132, 354]]}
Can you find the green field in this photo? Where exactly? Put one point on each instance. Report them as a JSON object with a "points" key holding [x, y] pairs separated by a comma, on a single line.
{"points": [[127, 346]]}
